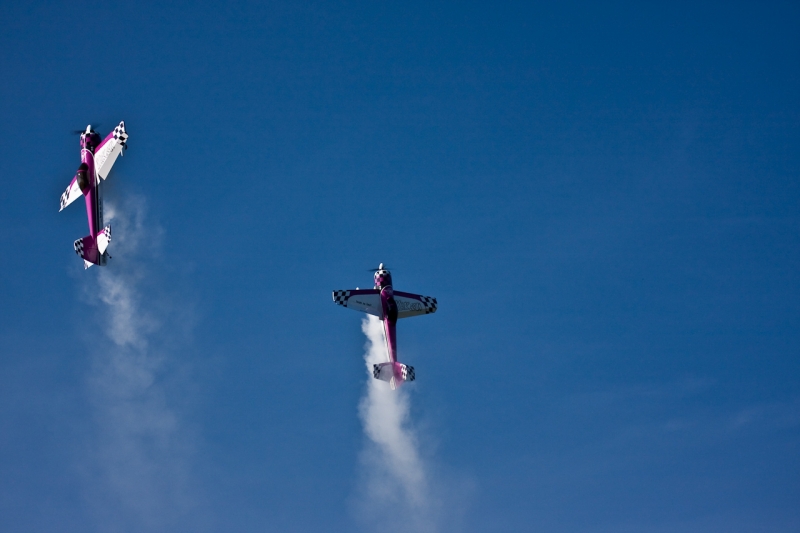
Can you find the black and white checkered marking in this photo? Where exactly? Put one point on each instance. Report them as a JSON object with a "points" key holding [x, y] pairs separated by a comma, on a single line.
{"points": [[341, 297], [78, 245], [408, 373], [376, 371], [430, 304], [120, 134], [107, 232], [65, 197]]}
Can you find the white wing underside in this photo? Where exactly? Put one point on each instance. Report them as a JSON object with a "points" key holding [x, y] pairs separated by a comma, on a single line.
{"points": [[71, 194], [409, 304], [364, 300], [108, 151], [368, 303], [105, 157]]}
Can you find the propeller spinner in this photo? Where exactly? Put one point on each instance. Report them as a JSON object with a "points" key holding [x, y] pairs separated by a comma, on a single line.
{"points": [[89, 129]]}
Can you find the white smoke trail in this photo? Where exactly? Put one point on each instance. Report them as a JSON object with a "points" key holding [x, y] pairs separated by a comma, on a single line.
{"points": [[139, 465], [397, 492]]}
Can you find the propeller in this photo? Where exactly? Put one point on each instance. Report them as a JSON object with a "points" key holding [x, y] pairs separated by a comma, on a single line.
{"points": [[91, 128], [380, 267]]}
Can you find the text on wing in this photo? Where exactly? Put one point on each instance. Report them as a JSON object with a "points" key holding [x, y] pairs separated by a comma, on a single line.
{"points": [[403, 305]]}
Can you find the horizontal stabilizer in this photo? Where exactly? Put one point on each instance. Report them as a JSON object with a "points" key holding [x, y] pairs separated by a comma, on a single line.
{"points": [[393, 373], [87, 249], [104, 239]]}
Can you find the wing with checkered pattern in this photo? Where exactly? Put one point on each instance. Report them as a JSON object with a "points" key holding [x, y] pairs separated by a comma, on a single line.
{"points": [[108, 150], [72, 193], [365, 300], [409, 304]]}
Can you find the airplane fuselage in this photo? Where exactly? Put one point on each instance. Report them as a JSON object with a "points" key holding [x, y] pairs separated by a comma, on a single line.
{"points": [[390, 321], [383, 282], [90, 186], [91, 191]]}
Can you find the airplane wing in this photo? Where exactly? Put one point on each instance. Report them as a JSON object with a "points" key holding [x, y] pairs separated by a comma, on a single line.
{"points": [[71, 194], [409, 305], [108, 150], [366, 300]]}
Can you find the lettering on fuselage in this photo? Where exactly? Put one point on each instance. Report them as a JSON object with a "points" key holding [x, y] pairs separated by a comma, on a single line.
{"points": [[365, 304]]}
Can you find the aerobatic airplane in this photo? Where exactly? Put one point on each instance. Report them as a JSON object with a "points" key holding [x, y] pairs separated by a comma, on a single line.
{"points": [[389, 305], [97, 158]]}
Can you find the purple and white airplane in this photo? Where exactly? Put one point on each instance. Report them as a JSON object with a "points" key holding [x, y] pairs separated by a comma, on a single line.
{"points": [[97, 158], [389, 305]]}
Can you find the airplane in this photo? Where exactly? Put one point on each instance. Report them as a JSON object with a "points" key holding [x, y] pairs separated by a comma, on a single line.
{"points": [[97, 158], [389, 305]]}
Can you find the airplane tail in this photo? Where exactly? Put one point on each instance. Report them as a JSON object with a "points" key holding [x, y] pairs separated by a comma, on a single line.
{"points": [[93, 249], [393, 373], [104, 239]]}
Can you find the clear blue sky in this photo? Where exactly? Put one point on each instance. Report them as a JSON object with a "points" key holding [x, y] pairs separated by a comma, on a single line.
{"points": [[604, 199]]}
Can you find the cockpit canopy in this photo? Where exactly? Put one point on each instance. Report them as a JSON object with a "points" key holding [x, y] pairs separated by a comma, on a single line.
{"points": [[83, 177]]}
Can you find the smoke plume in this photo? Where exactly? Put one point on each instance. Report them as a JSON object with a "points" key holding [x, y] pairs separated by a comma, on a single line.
{"points": [[138, 465], [397, 495]]}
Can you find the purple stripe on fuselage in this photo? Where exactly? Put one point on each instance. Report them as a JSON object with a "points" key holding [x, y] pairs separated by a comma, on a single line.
{"points": [[389, 321], [91, 194]]}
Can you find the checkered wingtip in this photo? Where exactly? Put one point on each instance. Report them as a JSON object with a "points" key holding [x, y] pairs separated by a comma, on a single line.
{"points": [[341, 297], [65, 197], [120, 134], [430, 304]]}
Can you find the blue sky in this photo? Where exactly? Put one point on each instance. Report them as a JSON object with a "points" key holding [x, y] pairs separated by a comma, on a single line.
{"points": [[604, 200]]}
